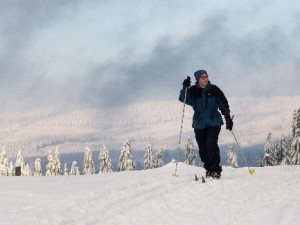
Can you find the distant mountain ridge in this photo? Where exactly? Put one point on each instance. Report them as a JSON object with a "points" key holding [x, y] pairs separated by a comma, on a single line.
{"points": [[38, 131]]}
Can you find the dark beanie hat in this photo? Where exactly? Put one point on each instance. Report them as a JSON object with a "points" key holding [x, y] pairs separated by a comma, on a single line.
{"points": [[199, 73]]}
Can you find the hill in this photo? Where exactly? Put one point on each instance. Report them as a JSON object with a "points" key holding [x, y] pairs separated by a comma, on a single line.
{"points": [[37, 131]]}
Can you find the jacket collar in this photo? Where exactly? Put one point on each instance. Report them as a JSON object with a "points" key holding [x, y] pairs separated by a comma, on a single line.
{"points": [[208, 86]]}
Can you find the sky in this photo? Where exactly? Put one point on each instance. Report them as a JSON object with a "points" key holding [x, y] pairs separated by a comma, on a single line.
{"points": [[112, 53]]}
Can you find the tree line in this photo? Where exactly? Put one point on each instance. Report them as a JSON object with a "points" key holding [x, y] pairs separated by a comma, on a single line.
{"points": [[54, 167], [285, 151]]}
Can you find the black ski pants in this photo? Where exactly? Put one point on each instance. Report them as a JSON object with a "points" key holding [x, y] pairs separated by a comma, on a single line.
{"points": [[207, 140]]}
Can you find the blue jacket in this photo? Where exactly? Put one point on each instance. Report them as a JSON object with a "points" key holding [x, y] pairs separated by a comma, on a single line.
{"points": [[206, 103]]}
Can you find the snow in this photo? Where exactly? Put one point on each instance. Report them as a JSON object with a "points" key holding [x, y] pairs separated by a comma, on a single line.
{"points": [[270, 196]]}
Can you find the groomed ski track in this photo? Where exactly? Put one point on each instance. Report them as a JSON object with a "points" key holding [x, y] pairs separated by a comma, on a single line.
{"points": [[270, 196]]}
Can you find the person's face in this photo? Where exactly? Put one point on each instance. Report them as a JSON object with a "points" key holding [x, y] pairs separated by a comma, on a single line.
{"points": [[203, 81]]}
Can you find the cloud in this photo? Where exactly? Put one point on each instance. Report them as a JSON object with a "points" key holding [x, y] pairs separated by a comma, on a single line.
{"points": [[259, 62], [252, 64], [20, 22]]}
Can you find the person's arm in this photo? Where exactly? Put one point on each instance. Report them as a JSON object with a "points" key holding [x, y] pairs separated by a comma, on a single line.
{"points": [[188, 99], [185, 91], [222, 102], [224, 107]]}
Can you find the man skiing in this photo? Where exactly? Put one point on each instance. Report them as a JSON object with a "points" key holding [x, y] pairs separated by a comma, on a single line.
{"points": [[206, 99]]}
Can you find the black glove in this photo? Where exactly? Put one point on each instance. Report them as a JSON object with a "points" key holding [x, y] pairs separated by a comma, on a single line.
{"points": [[187, 83], [229, 123]]}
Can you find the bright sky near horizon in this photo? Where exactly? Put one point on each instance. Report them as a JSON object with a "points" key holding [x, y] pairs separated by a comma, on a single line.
{"points": [[111, 53]]}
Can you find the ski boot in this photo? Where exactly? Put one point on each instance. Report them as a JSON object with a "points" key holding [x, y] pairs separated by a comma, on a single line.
{"points": [[216, 175], [208, 174]]}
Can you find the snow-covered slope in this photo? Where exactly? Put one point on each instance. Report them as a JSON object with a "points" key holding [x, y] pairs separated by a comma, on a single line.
{"points": [[38, 131], [270, 196]]}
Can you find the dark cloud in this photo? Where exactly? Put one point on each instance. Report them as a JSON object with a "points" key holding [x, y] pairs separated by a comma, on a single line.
{"points": [[256, 62], [248, 65], [20, 21]]}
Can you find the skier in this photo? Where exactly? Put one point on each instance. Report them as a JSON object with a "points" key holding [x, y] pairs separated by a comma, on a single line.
{"points": [[206, 99]]}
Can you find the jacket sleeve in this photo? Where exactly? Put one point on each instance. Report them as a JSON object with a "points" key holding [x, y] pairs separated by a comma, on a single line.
{"points": [[222, 103], [188, 100]]}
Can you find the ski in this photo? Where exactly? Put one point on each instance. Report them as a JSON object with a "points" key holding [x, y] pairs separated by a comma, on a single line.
{"points": [[202, 178]]}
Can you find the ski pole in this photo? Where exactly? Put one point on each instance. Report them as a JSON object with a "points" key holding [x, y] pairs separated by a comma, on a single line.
{"points": [[251, 171], [177, 154]]}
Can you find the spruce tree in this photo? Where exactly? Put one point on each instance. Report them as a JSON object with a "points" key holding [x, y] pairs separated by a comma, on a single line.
{"points": [[11, 169], [50, 165], [268, 151], [53, 168], [125, 159], [295, 150], [286, 151], [281, 153], [159, 161], [277, 152], [20, 162], [56, 164], [74, 169], [37, 167], [65, 170], [4, 163], [232, 158], [105, 161], [259, 163], [88, 164], [294, 124], [148, 158], [190, 154], [27, 170]]}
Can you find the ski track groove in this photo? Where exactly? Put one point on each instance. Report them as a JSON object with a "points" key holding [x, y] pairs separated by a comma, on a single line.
{"points": [[88, 208], [155, 197]]}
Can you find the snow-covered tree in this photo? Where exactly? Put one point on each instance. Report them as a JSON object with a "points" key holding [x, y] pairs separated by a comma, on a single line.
{"points": [[295, 153], [50, 165], [268, 151], [56, 164], [11, 171], [4, 163], [268, 161], [295, 150], [37, 167], [281, 152], [190, 154], [27, 171], [105, 161], [88, 164], [277, 152], [74, 169], [126, 163], [159, 161], [294, 124], [148, 158], [20, 162], [259, 163], [232, 158], [65, 170], [287, 152]]}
